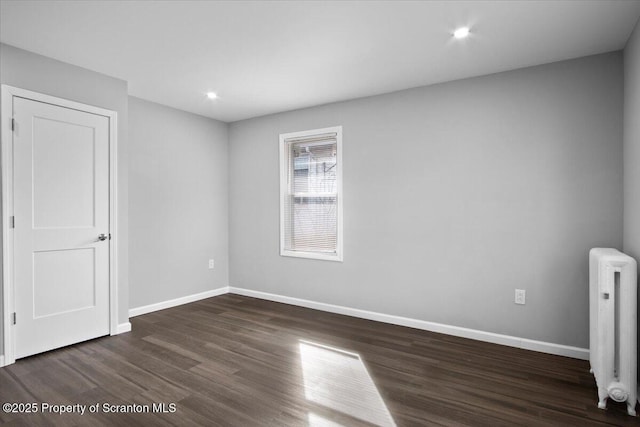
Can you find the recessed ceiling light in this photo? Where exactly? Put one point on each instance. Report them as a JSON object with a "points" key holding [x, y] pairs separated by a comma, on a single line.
{"points": [[212, 95], [461, 32]]}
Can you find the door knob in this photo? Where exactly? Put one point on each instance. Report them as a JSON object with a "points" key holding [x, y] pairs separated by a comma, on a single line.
{"points": [[102, 237]]}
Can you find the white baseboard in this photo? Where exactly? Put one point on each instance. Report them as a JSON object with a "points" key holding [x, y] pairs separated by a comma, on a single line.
{"points": [[133, 312], [511, 341], [508, 340], [1, 361], [123, 327]]}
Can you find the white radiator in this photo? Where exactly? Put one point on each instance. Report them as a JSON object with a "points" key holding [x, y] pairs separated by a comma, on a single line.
{"points": [[613, 324]]}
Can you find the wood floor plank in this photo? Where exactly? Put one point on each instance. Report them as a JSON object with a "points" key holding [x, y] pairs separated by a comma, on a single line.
{"points": [[238, 361]]}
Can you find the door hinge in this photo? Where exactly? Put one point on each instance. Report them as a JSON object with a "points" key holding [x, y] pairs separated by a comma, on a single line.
{"points": [[13, 124], [14, 318], [12, 222], [109, 236]]}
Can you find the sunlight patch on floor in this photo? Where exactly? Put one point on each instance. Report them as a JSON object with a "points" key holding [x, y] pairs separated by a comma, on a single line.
{"points": [[316, 420], [338, 380]]}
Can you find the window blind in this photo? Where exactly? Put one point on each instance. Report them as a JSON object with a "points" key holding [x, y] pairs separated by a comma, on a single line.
{"points": [[311, 197]]}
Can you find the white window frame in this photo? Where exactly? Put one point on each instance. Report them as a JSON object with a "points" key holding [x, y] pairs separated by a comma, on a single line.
{"points": [[284, 193]]}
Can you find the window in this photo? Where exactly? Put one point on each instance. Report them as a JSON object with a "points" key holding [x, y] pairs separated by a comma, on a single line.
{"points": [[311, 194]]}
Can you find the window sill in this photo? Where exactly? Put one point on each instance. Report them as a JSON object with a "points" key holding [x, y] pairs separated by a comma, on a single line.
{"points": [[312, 255]]}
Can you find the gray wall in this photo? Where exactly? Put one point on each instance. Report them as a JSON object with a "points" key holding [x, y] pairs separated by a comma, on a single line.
{"points": [[178, 203], [454, 195], [632, 145], [34, 72], [632, 151]]}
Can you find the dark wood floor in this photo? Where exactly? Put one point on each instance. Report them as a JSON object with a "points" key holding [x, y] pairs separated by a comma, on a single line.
{"points": [[238, 361]]}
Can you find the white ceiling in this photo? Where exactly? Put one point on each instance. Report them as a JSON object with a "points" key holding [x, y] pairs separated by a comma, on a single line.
{"points": [[266, 57]]}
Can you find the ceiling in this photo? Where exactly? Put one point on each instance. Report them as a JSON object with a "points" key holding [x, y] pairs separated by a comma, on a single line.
{"points": [[267, 57]]}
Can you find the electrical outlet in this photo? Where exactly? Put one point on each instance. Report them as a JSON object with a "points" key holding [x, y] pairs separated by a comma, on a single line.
{"points": [[211, 264], [520, 296]]}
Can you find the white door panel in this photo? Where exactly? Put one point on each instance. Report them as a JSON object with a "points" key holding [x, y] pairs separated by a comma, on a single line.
{"points": [[63, 168], [61, 205], [63, 281]]}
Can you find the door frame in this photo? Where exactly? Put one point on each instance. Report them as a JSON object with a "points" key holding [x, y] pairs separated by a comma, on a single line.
{"points": [[8, 285]]}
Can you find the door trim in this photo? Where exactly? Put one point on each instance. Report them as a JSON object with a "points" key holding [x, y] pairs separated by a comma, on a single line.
{"points": [[6, 143]]}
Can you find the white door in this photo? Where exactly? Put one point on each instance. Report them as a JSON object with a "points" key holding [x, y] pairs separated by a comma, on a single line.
{"points": [[61, 207]]}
